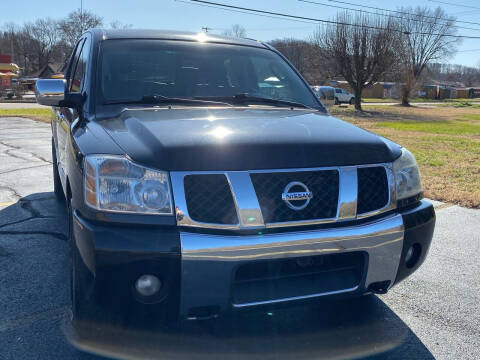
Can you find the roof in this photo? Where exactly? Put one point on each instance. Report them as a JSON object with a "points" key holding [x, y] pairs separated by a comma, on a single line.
{"points": [[173, 35]]}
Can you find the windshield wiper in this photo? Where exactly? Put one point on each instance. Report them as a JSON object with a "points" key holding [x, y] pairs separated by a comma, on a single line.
{"points": [[161, 99], [244, 98]]}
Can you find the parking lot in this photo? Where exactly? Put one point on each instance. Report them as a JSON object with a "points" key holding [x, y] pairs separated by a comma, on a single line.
{"points": [[432, 315]]}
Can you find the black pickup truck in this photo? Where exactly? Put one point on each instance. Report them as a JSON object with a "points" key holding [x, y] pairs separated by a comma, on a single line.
{"points": [[203, 176]]}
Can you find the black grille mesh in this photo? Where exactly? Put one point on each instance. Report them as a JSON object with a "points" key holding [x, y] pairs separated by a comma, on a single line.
{"points": [[209, 199], [270, 186], [372, 189]]}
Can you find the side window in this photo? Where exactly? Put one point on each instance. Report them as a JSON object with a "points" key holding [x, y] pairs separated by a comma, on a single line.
{"points": [[338, 91], [74, 61], [78, 75]]}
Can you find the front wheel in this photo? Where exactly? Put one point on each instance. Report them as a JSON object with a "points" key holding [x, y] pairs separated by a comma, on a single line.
{"points": [[336, 101], [352, 101]]}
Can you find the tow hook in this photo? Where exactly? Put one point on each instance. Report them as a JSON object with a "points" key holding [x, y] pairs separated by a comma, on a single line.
{"points": [[379, 287]]}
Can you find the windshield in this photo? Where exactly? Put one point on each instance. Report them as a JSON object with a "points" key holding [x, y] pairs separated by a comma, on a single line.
{"points": [[132, 70]]}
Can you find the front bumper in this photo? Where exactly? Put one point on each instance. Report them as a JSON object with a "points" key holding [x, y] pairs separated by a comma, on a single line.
{"points": [[208, 261], [198, 268]]}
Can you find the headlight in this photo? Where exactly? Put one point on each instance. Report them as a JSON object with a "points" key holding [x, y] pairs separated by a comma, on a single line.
{"points": [[407, 177], [114, 183]]}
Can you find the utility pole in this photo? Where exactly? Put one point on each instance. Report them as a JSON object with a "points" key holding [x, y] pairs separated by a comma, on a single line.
{"points": [[11, 47], [81, 15]]}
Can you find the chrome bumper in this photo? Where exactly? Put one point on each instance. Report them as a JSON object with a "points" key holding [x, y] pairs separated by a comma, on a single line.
{"points": [[208, 261]]}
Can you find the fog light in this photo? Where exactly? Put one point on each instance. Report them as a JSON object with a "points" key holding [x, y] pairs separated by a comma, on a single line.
{"points": [[412, 255], [148, 285], [409, 254]]}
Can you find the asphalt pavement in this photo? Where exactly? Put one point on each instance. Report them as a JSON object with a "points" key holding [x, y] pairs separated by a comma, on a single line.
{"points": [[434, 314]]}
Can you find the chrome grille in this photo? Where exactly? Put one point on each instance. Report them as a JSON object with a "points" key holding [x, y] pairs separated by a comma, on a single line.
{"points": [[253, 199]]}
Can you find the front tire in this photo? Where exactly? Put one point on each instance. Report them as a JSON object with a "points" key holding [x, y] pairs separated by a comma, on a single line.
{"points": [[352, 101], [57, 185], [337, 102]]}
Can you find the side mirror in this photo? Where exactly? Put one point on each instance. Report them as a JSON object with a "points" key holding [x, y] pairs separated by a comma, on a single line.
{"points": [[50, 92]]}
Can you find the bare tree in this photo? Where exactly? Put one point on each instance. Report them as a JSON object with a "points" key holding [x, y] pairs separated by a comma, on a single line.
{"points": [[361, 53], [424, 39], [45, 36], [19, 43], [305, 56], [236, 30], [76, 23], [46, 41], [453, 73], [119, 25]]}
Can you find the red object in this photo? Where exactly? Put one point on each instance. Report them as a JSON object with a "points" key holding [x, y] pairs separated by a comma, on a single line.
{"points": [[5, 59]]}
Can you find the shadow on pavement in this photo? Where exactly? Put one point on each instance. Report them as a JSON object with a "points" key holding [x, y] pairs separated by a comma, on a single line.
{"points": [[355, 328]]}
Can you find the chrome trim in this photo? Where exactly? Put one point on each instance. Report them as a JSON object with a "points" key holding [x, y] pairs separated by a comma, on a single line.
{"points": [[303, 297], [248, 206], [245, 198], [300, 223], [348, 193], [209, 260], [293, 170], [50, 92]]}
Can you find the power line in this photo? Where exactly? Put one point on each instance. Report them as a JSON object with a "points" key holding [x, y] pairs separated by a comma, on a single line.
{"points": [[275, 14], [399, 11], [253, 29], [466, 12], [246, 12], [453, 4], [296, 17], [376, 13]]}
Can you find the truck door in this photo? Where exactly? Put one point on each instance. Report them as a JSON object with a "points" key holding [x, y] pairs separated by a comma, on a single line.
{"points": [[66, 116]]}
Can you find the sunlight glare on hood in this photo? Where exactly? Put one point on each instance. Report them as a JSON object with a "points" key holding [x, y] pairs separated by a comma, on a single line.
{"points": [[221, 132], [202, 37]]}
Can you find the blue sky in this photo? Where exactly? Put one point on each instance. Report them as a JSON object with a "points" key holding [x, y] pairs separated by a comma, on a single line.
{"points": [[176, 15]]}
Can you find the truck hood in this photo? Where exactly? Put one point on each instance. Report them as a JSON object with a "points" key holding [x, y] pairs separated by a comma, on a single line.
{"points": [[202, 138]]}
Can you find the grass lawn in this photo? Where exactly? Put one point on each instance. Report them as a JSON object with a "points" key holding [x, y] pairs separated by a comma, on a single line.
{"points": [[43, 115], [420, 100], [445, 141]]}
